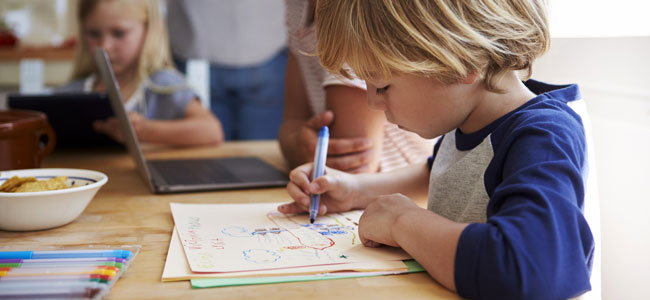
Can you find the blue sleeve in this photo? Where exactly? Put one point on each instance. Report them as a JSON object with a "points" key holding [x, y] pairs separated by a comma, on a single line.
{"points": [[167, 96], [536, 243]]}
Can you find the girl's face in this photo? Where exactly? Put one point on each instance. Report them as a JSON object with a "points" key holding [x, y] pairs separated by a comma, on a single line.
{"points": [[422, 105], [111, 27]]}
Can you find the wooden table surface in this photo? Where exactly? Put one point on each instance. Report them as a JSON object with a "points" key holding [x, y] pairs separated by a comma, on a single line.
{"points": [[124, 212]]}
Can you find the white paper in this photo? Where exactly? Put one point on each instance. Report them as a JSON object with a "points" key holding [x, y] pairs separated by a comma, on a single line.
{"points": [[251, 237], [177, 268]]}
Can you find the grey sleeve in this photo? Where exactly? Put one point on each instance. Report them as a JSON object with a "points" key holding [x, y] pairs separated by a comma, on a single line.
{"points": [[167, 95]]}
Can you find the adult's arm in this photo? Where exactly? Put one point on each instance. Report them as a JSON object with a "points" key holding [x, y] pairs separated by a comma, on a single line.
{"points": [[353, 119], [296, 114], [355, 129]]}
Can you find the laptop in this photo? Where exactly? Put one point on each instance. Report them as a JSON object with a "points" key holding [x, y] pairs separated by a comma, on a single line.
{"points": [[186, 175], [71, 116]]}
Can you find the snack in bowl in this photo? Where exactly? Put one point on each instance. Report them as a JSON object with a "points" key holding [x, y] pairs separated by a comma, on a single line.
{"points": [[23, 210], [31, 184]]}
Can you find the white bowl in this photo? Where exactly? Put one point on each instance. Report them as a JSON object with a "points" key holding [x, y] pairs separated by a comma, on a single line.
{"points": [[48, 209]]}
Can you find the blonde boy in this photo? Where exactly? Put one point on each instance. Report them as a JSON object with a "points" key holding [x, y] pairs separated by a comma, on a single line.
{"points": [[506, 180]]}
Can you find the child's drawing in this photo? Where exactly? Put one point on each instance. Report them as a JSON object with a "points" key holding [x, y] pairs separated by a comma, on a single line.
{"points": [[242, 237]]}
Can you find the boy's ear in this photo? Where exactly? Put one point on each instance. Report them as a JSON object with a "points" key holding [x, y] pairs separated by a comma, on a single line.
{"points": [[470, 78]]}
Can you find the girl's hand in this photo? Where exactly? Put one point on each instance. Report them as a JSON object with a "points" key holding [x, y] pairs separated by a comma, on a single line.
{"points": [[376, 225], [339, 191], [137, 121], [111, 126]]}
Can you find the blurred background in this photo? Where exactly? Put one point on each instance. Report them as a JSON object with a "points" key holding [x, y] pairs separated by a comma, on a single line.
{"points": [[603, 45], [39, 37]]}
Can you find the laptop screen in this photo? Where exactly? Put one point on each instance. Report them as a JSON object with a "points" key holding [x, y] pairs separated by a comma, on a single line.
{"points": [[115, 98]]}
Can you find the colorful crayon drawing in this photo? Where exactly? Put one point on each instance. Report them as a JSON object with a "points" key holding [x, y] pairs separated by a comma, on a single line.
{"points": [[245, 237]]}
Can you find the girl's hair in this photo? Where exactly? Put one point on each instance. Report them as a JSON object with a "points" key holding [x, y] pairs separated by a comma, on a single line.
{"points": [[443, 39], [154, 54]]}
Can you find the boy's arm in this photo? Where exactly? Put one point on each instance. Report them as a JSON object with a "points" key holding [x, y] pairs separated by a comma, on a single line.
{"points": [[412, 181], [342, 191], [396, 221]]}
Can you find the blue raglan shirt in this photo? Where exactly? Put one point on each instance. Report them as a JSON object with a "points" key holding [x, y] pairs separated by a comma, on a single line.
{"points": [[528, 237]]}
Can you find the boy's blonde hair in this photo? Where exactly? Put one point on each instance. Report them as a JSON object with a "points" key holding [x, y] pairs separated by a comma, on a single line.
{"points": [[154, 54], [443, 39]]}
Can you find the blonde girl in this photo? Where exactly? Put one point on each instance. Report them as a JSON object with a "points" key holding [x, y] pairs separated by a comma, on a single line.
{"points": [[163, 109]]}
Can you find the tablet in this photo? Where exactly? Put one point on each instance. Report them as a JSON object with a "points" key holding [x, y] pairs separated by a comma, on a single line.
{"points": [[71, 116]]}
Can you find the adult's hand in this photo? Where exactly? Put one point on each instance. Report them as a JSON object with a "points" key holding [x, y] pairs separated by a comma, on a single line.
{"points": [[351, 155]]}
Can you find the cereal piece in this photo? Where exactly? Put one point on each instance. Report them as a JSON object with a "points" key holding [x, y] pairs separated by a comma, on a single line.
{"points": [[14, 183], [56, 183]]}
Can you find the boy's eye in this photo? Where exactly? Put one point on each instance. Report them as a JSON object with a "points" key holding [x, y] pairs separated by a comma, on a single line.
{"points": [[381, 91]]}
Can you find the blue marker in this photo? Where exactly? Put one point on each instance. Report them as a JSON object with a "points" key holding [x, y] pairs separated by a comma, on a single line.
{"points": [[319, 168]]}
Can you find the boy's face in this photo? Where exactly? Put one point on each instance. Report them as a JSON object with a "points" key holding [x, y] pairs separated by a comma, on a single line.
{"points": [[109, 26], [422, 105]]}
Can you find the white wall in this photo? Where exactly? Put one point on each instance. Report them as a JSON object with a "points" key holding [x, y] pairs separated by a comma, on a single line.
{"points": [[598, 18], [614, 75]]}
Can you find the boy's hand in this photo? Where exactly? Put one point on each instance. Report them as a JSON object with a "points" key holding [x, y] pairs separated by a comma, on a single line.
{"points": [[338, 191], [377, 222], [351, 155]]}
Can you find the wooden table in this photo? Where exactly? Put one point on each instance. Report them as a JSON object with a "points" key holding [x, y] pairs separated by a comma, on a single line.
{"points": [[124, 212]]}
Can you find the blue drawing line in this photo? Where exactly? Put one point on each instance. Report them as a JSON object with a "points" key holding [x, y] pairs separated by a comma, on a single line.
{"points": [[260, 256], [343, 227], [236, 231], [328, 229]]}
